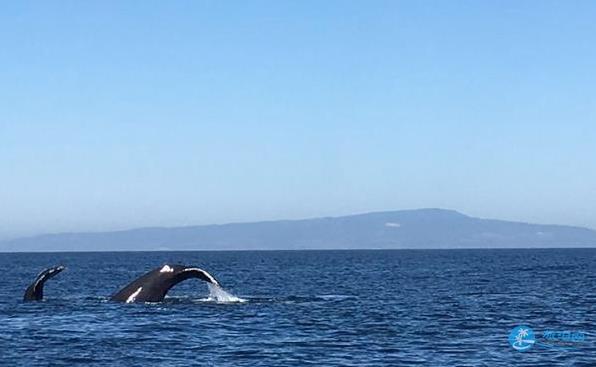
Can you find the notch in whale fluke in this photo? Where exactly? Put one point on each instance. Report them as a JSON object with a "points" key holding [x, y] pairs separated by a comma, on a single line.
{"points": [[154, 285], [35, 291]]}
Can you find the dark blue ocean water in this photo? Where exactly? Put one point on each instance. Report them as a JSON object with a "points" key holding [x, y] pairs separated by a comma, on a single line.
{"points": [[323, 308]]}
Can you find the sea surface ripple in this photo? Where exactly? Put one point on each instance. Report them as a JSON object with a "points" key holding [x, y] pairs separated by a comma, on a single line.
{"points": [[323, 308]]}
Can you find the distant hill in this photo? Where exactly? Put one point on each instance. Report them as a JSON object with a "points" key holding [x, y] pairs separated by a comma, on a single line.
{"points": [[404, 229]]}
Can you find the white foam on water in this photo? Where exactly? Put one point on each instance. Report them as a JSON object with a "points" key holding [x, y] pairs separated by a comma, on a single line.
{"points": [[339, 297], [219, 295]]}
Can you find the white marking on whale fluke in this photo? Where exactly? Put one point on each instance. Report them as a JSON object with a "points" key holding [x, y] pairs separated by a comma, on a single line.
{"points": [[166, 269], [37, 282], [133, 296], [211, 278]]}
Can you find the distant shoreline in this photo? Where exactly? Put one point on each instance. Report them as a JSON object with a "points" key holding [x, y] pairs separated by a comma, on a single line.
{"points": [[430, 228]]}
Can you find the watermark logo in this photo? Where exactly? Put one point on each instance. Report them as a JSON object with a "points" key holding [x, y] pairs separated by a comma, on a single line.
{"points": [[564, 336], [522, 338]]}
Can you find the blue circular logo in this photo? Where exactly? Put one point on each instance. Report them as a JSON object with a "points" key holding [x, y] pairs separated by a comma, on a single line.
{"points": [[522, 338]]}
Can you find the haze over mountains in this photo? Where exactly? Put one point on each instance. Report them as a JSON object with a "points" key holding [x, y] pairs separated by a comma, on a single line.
{"points": [[405, 229]]}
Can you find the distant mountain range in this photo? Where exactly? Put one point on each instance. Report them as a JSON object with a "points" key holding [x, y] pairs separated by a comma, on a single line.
{"points": [[404, 229]]}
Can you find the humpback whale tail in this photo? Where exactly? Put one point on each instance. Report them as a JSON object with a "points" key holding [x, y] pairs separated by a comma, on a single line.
{"points": [[35, 291], [154, 285]]}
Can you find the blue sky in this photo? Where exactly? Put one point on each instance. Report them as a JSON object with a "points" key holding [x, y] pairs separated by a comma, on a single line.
{"points": [[147, 113]]}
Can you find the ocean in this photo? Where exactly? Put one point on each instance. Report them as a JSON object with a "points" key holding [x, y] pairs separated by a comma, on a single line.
{"points": [[320, 308]]}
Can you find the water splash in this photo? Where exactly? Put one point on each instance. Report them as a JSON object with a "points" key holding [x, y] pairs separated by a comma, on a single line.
{"points": [[219, 295]]}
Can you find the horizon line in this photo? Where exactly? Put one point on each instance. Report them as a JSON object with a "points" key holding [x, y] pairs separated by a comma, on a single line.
{"points": [[308, 249]]}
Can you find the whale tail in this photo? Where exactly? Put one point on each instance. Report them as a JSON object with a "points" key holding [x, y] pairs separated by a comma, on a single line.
{"points": [[35, 291], [188, 273], [154, 285]]}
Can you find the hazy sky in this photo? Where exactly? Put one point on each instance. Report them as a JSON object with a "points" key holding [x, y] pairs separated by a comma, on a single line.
{"points": [[169, 113]]}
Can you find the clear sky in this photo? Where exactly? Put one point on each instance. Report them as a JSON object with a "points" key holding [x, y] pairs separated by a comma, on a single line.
{"points": [[140, 113]]}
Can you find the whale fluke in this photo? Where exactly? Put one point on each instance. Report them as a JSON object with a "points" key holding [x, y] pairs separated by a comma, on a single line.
{"points": [[154, 285], [35, 291]]}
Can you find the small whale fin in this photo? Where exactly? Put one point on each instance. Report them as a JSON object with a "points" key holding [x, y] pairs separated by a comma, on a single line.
{"points": [[35, 291]]}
